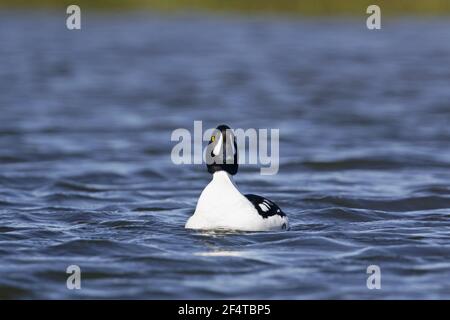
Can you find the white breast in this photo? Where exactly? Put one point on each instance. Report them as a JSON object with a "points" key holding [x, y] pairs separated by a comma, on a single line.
{"points": [[222, 206]]}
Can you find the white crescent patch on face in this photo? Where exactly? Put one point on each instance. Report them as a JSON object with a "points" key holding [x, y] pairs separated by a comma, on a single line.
{"points": [[218, 146]]}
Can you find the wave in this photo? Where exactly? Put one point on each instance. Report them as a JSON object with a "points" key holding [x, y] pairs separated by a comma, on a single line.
{"points": [[384, 204], [365, 163]]}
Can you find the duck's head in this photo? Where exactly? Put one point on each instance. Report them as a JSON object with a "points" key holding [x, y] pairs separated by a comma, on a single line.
{"points": [[221, 153]]}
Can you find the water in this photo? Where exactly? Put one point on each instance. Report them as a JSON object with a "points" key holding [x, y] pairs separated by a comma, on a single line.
{"points": [[86, 176]]}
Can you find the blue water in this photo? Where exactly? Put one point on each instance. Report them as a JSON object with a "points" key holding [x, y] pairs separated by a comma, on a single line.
{"points": [[86, 176]]}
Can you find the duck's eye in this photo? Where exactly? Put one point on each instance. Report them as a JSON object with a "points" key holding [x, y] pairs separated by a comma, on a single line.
{"points": [[213, 138]]}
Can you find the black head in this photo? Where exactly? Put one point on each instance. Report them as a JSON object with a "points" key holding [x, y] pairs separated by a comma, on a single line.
{"points": [[221, 153]]}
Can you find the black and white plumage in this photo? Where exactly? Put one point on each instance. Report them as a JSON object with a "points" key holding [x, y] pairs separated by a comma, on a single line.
{"points": [[221, 205], [265, 207]]}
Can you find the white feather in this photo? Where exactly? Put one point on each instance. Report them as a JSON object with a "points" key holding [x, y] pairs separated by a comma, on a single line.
{"points": [[218, 146], [222, 206]]}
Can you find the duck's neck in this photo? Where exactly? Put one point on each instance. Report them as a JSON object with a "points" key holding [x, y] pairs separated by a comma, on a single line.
{"points": [[223, 177], [220, 196], [222, 181]]}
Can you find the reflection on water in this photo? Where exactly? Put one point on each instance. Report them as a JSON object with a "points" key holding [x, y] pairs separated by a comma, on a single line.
{"points": [[86, 176], [220, 254]]}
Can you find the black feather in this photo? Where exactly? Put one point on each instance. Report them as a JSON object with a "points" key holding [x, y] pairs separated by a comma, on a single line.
{"points": [[273, 208]]}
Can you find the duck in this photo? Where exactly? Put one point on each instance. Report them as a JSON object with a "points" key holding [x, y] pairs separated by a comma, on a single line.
{"points": [[221, 206]]}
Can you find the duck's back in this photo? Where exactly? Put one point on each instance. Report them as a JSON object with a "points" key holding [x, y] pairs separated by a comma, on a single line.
{"points": [[222, 206]]}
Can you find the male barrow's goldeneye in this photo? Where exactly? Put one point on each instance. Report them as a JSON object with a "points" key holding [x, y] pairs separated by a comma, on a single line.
{"points": [[221, 205]]}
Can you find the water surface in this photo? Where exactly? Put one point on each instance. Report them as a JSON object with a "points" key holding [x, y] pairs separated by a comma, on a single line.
{"points": [[86, 176]]}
